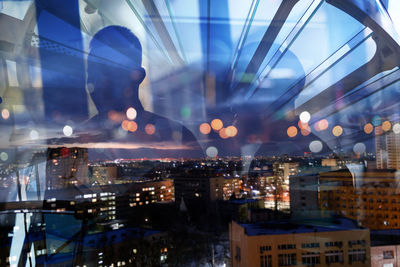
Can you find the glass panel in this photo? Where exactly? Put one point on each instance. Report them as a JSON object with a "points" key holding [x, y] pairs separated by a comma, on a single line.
{"points": [[188, 133]]}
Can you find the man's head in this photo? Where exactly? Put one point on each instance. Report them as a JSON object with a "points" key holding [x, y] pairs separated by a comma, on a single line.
{"points": [[114, 69]]}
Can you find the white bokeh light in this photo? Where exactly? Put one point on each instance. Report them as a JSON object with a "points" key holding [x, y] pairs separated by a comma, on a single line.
{"points": [[305, 116], [315, 146], [67, 130], [131, 113], [3, 156], [359, 148], [34, 135], [396, 128], [212, 151]]}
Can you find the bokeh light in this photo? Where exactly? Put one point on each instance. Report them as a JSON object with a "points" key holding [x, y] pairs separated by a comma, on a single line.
{"points": [[315, 146], [205, 128], [34, 135], [231, 131], [150, 129], [368, 128], [67, 130], [5, 114], [186, 112], [292, 131], [359, 148], [386, 126], [131, 113], [223, 133], [306, 131], [396, 128], [124, 125], [3, 156], [115, 116], [217, 124], [212, 151], [337, 130], [305, 116], [302, 125], [132, 126], [321, 125], [376, 120]]}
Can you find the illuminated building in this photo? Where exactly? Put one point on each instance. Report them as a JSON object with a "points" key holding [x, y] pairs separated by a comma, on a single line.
{"points": [[387, 147], [385, 248], [102, 175], [331, 162], [371, 197], [385, 255], [145, 193], [339, 243], [204, 188], [279, 186], [66, 167], [231, 185]]}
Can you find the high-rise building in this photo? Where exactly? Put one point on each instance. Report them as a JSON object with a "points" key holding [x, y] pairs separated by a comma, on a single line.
{"points": [[387, 150], [66, 167], [371, 197], [304, 195]]}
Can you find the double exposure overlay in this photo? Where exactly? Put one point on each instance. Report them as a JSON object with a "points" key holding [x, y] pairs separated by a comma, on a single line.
{"points": [[200, 133]]}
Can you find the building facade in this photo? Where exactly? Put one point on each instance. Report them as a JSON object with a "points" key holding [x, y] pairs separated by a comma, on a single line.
{"points": [[371, 197], [286, 244], [66, 167]]}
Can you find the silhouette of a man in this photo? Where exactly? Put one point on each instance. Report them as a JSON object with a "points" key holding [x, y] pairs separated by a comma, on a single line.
{"points": [[114, 75]]}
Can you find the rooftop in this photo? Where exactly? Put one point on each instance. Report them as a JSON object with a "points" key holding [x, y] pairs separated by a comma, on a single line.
{"points": [[289, 227]]}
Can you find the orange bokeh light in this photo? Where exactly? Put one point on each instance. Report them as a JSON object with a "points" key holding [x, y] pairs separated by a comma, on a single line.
{"points": [[321, 125], [231, 131], [302, 125], [306, 131], [368, 128], [337, 130], [5, 114], [150, 129], [115, 116], [386, 126], [217, 124], [223, 133], [292, 131], [124, 125], [205, 128], [132, 126]]}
